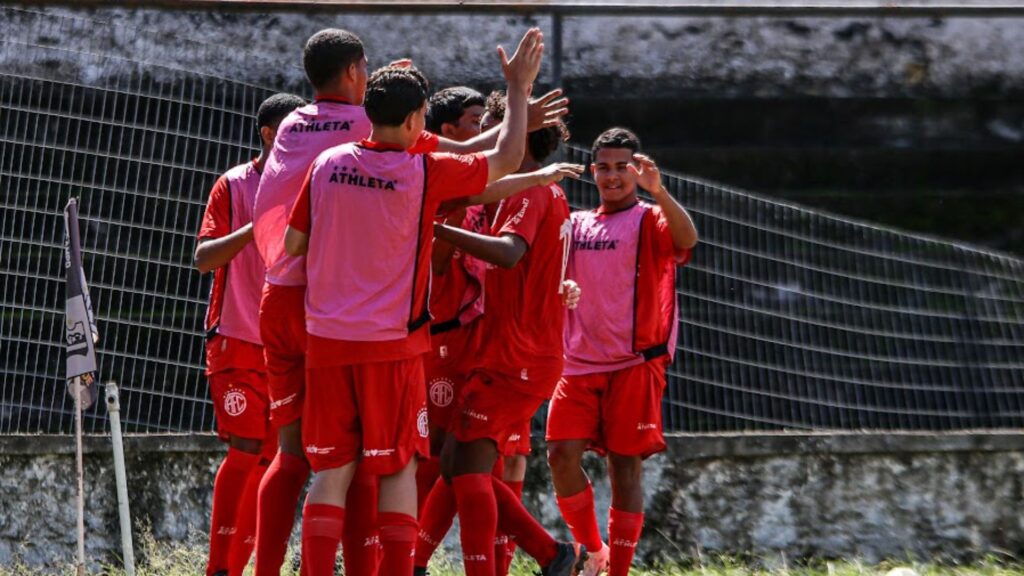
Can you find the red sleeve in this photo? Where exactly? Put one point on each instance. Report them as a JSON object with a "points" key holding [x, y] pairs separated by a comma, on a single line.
{"points": [[300, 218], [523, 213], [427, 142], [454, 176], [217, 218], [661, 238]]}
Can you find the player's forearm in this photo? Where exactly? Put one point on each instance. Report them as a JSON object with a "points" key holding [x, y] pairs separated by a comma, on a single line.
{"points": [[501, 251], [296, 243], [479, 143], [441, 256], [508, 154], [680, 225], [216, 252], [505, 187]]}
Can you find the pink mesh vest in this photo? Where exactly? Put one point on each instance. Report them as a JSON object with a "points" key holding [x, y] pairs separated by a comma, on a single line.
{"points": [[367, 248], [301, 137]]}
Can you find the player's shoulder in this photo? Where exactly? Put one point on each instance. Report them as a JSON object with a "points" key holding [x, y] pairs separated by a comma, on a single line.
{"points": [[245, 171]]}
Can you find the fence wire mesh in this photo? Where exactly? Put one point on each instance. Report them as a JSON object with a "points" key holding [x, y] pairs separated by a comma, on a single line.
{"points": [[790, 318]]}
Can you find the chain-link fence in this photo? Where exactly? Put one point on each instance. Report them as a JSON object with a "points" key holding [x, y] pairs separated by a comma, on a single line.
{"points": [[791, 319]]}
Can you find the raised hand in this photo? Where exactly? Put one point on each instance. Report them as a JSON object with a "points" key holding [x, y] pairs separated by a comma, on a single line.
{"points": [[648, 176], [522, 68], [403, 63], [556, 172], [545, 111]]}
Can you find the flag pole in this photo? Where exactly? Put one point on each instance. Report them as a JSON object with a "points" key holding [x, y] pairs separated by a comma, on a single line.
{"points": [[124, 512], [77, 383]]}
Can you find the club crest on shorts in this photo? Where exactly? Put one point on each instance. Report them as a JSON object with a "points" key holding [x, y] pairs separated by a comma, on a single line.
{"points": [[234, 403], [421, 422], [442, 392]]}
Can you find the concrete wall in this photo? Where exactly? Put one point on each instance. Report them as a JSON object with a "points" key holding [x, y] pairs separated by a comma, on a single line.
{"points": [[642, 56], [867, 496]]}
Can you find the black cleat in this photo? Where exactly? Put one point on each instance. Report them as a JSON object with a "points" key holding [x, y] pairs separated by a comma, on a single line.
{"points": [[417, 571], [569, 560]]}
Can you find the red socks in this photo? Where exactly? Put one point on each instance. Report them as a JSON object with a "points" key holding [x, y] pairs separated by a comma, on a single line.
{"points": [[397, 539], [278, 497], [510, 542], [517, 521], [361, 538], [623, 533], [227, 491], [245, 523], [322, 525], [435, 521], [427, 472], [578, 512], [478, 515]]}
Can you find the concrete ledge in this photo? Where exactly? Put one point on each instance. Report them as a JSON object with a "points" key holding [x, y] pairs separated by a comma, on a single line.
{"points": [[682, 447]]}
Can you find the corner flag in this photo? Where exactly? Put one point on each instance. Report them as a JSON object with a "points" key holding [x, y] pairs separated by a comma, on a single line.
{"points": [[79, 326]]}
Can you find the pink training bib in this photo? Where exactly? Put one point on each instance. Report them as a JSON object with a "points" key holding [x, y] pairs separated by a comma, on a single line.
{"points": [[599, 335], [239, 317], [358, 289], [301, 137]]}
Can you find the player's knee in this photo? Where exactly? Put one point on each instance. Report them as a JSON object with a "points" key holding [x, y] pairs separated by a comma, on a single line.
{"points": [[290, 439], [625, 470], [563, 457], [247, 445]]}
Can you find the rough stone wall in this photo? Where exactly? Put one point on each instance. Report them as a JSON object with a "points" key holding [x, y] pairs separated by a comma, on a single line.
{"points": [[683, 57], [870, 497]]}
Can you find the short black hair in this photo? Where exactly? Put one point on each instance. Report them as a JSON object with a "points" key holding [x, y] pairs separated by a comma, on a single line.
{"points": [[448, 105], [328, 53], [394, 92], [540, 143], [275, 108], [616, 137]]}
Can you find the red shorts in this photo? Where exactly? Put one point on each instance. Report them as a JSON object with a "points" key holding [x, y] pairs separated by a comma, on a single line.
{"points": [[519, 442], [445, 380], [240, 403], [375, 411], [283, 330], [618, 411], [490, 408]]}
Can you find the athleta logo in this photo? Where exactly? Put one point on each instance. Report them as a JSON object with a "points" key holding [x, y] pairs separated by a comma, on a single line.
{"points": [[335, 126], [475, 415], [234, 403], [342, 175], [283, 401], [595, 244], [475, 557], [624, 543], [314, 449], [378, 452], [426, 538], [442, 392], [646, 426]]}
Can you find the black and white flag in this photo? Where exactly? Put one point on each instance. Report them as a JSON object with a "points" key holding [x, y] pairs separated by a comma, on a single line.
{"points": [[79, 324]]}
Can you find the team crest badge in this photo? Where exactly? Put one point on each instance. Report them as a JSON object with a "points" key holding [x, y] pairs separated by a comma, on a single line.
{"points": [[442, 392], [421, 422], [234, 403]]}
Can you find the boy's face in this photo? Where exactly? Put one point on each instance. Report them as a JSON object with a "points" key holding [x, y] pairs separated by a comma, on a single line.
{"points": [[487, 122], [468, 125], [611, 173], [360, 76]]}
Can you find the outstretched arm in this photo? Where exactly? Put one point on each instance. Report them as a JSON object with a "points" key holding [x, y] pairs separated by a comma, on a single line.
{"points": [[542, 112], [514, 183], [504, 251], [212, 253]]}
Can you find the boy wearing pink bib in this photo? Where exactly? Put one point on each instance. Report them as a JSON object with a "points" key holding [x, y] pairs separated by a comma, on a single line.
{"points": [[234, 349], [618, 344], [364, 221]]}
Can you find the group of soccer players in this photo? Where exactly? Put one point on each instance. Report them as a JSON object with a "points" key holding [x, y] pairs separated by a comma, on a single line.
{"points": [[392, 304]]}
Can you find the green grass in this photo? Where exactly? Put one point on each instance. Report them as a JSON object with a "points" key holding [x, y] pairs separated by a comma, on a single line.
{"points": [[189, 559]]}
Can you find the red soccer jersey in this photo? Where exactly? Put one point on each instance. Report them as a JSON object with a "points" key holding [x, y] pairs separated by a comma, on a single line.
{"points": [[523, 324], [223, 352], [355, 254]]}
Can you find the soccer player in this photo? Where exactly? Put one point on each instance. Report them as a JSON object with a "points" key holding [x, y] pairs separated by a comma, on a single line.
{"points": [[234, 351], [456, 291], [618, 344], [457, 303], [364, 218], [520, 364], [335, 65]]}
